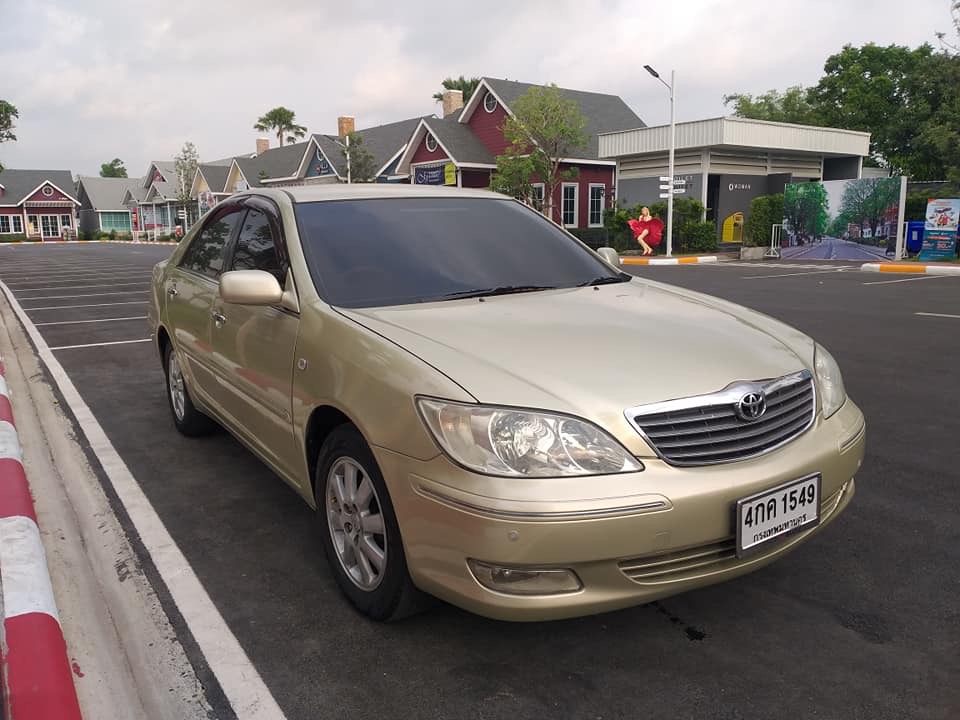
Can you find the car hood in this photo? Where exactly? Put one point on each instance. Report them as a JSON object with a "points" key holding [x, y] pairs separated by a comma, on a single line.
{"points": [[593, 351]]}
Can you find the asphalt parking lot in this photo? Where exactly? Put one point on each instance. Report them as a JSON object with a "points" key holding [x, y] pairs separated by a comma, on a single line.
{"points": [[863, 621]]}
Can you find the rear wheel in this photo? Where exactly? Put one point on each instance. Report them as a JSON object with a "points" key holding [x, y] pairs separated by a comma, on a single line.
{"points": [[189, 421], [359, 530]]}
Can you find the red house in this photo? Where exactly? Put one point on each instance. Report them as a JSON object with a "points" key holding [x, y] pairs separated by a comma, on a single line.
{"points": [[461, 148], [37, 204]]}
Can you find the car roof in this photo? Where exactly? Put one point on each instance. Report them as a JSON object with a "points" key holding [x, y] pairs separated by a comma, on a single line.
{"points": [[342, 191]]}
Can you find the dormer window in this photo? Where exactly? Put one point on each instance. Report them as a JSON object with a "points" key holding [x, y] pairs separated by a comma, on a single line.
{"points": [[489, 102], [431, 142]]}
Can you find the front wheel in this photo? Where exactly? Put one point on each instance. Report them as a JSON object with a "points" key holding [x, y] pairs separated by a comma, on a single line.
{"points": [[189, 421], [359, 530]]}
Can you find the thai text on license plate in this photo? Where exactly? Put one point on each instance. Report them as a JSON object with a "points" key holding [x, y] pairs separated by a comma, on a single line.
{"points": [[774, 513]]}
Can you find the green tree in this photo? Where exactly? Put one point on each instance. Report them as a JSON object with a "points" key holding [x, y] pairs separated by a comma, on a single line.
{"points": [[865, 203], [8, 113], [283, 123], [544, 128], [791, 106], [462, 84], [513, 177], [185, 167], [805, 208], [113, 169], [362, 166]]}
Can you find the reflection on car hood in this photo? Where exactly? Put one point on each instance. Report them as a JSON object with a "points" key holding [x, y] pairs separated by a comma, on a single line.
{"points": [[593, 351]]}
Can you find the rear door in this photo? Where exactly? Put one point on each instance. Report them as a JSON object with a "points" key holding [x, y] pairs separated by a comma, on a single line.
{"points": [[254, 346], [190, 290]]}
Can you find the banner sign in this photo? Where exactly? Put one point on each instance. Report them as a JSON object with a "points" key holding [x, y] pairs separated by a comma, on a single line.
{"points": [[449, 174], [428, 175], [940, 229]]}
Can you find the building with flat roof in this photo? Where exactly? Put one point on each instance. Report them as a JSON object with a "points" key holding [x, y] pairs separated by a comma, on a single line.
{"points": [[726, 162]]}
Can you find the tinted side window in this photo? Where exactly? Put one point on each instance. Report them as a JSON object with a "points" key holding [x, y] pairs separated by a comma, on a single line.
{"points": [[205, 254], [256, 248]]}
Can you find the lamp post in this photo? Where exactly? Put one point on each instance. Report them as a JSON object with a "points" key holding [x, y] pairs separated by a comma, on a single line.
{"points": [[673, 141]]}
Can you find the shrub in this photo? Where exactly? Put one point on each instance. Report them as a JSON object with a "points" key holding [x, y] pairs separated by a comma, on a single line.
{"points": [[697, 237], [594, 237], [765, 212], [112, 235], [17, 237]]}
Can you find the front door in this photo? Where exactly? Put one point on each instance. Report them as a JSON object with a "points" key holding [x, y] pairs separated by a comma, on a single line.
{"points": [[190, 292], [49, 226], [254, 347]]}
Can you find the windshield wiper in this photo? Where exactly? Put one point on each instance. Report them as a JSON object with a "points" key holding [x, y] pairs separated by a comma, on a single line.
{"points": [[606, 280], [501, 290]]}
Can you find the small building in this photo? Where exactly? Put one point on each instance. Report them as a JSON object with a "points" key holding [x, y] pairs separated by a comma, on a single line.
{"points": [[37, 204], [101, 204], [468, 138], [726, 162], [153, 201]]}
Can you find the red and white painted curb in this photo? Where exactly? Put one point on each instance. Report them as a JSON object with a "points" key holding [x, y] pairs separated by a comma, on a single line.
{"points": [[632, 260], [915, 268], [38, 684]]}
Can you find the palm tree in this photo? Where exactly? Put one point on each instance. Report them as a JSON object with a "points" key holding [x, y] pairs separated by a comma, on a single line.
{"points": [[283, 123], [462, 84]]}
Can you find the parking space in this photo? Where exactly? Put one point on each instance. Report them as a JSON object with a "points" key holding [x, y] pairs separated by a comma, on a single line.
{"points": [[860, 622]]}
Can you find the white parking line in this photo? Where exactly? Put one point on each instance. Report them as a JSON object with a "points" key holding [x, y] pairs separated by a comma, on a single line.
{"points": [[939, 315], [242, 685], [61, 297], [78, 322], [144, 283], [69, 307], [779, 275], [911, 279], [106, 277], [100, 344]]}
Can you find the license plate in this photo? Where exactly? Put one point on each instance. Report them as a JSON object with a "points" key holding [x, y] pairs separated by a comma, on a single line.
{"points": [[771, 514]]}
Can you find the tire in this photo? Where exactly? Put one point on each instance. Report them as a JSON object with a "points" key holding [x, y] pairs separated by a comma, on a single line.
{"points": [[188, 420], [358, 525]]}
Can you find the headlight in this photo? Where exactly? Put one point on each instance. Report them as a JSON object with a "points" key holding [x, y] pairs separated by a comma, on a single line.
{"points": [[832, 392], [519, 443]]}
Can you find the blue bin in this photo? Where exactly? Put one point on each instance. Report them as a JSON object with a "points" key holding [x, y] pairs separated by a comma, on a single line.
{"points": [[914, 236]]}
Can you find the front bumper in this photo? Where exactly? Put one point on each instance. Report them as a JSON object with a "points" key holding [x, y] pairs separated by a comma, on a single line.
{"points": [[630, 539]]}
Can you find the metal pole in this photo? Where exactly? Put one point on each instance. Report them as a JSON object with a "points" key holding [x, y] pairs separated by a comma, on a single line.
{"points": [[673, 140], [347, 138]]}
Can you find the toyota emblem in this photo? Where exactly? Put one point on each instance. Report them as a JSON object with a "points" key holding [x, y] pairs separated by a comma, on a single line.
{"points": [[752, 406]]}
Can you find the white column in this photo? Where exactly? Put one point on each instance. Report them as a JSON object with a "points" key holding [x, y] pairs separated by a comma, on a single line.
{"points": [[673, 140]]}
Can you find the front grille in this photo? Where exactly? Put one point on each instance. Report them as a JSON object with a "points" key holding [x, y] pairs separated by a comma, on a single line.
{"points": [[708, 429], [702, 559]]}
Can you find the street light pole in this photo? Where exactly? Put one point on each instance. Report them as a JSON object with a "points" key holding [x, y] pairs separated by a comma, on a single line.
{"points": [[673, 142]]}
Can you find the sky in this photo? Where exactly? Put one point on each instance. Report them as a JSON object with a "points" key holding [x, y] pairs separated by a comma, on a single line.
{"points": [[98, 79]]}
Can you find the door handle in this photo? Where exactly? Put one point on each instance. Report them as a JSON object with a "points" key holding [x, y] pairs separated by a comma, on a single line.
{"points": [[219, 318], [172, 291]]}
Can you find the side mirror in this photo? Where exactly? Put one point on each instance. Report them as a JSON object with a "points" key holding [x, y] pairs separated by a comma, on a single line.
{"points": [[610, 255], [250, 287]]}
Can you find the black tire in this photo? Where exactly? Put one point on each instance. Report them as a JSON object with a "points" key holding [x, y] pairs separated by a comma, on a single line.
{"points": [[188, 420], [394, 595]]}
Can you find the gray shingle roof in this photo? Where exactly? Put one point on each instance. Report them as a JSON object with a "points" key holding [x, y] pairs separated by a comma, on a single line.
{"points": [[165, 190], [18, 184], [604, 113], [460, 141], [381, 141], [278, 162], [106, 194], [215, 175]]}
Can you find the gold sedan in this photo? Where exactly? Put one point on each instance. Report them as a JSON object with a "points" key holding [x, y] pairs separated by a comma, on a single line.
{"points": [[483, 409]]}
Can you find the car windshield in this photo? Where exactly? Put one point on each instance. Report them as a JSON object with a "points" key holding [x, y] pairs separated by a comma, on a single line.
{"points": [[398, 251]]}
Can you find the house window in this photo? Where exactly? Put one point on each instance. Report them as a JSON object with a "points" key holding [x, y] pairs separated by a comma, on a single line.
{"points": [[33, 224], [47, 191], [489, 102], [431, 142], [4, 223], [65, 221], [596, 205], [17, 224], [536, 196], [569, 205]]}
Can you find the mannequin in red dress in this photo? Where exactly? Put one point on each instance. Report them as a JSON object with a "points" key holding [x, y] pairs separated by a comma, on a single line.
{"points": [[646, 228]]}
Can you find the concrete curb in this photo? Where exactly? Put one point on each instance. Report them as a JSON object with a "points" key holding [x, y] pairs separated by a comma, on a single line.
{"points": [[669, 261], [911, 268], [38, 683]]}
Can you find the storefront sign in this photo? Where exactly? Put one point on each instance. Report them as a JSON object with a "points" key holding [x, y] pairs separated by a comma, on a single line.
{"points": [[940, 229], [449, 174], [428, 175]]}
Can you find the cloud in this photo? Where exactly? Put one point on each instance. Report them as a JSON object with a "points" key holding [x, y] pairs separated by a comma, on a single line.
{"points": [[99, 79]]}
